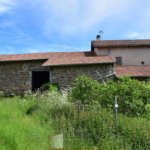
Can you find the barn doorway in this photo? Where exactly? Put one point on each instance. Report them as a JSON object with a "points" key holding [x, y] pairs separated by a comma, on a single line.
{"points": [[39, 78]]}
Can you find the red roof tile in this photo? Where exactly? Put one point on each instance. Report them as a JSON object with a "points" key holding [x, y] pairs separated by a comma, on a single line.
{"points": [[20, 57], [60, 58], [133, 71], [107, 43]]}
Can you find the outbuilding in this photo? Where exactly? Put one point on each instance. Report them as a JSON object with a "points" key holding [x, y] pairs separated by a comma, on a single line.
{"points": [[22, 72]]}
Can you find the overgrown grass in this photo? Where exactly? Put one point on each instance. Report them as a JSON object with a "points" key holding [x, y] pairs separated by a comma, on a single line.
{"points": [[24, 126], [19, 130]]}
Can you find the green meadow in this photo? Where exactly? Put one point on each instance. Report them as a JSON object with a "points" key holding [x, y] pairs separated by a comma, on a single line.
{"points": [[25, 126]]}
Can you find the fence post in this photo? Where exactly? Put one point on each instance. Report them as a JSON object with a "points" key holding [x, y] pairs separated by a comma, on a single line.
{"points": [[38, 93], [116, 106], [79, 107], [82, 107]]}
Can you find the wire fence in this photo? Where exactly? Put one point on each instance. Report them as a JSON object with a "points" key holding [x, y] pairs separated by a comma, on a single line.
{"points": [[115, 140]]}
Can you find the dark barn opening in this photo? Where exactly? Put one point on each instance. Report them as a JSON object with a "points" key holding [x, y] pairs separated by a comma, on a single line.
{"points": [[39, 78]]}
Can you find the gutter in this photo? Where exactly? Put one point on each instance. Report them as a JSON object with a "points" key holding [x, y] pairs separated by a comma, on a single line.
{"points": [[23, 60], [81, 64], [140, 76], [135, 76], [130, 45], [109, 50], [50, 74]]}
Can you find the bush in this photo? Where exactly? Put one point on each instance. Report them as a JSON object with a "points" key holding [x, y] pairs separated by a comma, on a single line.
{"points": [[2, 94], [50, 87], [86, 90], [30, 95], [132, 95]]}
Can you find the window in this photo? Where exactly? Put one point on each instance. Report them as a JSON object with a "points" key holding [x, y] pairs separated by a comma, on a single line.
{"points": [[118, 60]]}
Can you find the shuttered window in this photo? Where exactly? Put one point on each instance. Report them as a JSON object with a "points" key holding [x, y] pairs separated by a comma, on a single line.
{"points": [[118, 60]]}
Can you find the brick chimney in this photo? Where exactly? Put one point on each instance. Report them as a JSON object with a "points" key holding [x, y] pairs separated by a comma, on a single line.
{"points": [[98, 37]]}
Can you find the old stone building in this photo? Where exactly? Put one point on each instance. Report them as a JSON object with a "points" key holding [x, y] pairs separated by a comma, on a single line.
{"points": [[22, 72], [132, 56], [112, 58]]}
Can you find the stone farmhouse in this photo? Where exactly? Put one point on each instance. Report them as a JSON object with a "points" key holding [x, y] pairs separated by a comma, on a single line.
{"points": [[111, 58], [132, 56]]}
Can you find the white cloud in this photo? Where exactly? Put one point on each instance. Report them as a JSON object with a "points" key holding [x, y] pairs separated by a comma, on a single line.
{"points": [[50, 48], [69, 17], [9, 47], [5, 5], [132, 35], [6, 24]]}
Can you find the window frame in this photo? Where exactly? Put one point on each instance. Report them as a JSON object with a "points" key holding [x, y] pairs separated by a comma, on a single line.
{"points": [[118, 60]]}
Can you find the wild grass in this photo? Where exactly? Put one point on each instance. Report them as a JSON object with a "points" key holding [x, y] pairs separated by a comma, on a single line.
{"points": [[24, 126], [19, 130]]}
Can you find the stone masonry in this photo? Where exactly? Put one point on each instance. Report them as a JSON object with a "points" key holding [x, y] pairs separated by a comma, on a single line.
{"points": [[64, 75], [16, 77]]}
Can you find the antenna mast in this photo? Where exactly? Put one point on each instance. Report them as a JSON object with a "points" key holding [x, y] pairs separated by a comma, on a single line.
{"points": [[100, 32]]}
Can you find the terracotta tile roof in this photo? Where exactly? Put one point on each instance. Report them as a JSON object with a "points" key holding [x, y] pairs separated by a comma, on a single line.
{"points": [[60, 58], [77, 58], [107, 43], [133, 71], [20, 57]]}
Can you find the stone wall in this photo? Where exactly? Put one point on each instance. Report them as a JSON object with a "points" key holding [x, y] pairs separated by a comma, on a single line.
{"points": [[64, 75], [16, 77]]}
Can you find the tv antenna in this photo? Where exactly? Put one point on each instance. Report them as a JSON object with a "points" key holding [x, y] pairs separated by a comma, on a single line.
{"points": [[100, 32]]}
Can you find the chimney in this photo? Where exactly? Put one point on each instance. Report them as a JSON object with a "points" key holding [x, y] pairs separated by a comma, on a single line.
{"points": [[98, 37]]}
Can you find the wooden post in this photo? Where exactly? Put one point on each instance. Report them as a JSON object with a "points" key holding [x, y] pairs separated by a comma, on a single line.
{"points": [[116, 106], [38, 93], [82, 107], [79, 107]]}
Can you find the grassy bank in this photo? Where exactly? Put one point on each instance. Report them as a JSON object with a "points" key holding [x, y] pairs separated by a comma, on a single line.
{"points": [[19, 130], [24, 126]]}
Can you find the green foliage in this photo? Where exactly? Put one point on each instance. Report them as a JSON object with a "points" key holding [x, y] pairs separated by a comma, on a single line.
{"points": [[30, 95], [101, 123], [132, 95], [50, 87], [86, 90], [23, 131], [2, 94], [19, 131]]}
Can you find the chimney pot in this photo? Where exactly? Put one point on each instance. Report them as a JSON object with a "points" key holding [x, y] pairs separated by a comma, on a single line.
{"points": [[98, 37]]}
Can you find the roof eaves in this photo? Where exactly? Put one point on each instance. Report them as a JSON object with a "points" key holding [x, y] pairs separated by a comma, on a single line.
{"points": [[23, 60], [79, 64], [122, 45], [140, 76], [133, 76], [112, 58], [122, 75]]}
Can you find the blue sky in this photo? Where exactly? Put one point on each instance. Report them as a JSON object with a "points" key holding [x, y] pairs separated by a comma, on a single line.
{"points": [[69, 25]]}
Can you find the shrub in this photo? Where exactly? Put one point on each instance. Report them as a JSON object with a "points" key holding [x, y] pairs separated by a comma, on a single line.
{"points": [[30, 95], [50, 87], [2, 94], [132, 95], [86, 90], [56, 100]]}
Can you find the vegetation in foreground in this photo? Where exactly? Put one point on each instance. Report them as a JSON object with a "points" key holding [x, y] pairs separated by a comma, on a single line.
{"points": [[25, 126]]}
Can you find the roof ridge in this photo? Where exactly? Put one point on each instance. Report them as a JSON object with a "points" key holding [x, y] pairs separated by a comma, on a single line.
{"points": [[123, 40], [134, 66], [46, 52], [112, 58]]}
